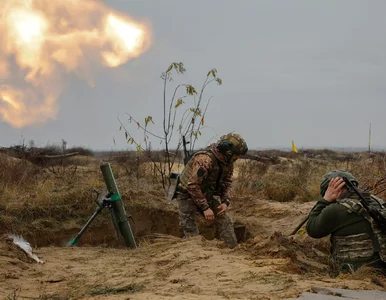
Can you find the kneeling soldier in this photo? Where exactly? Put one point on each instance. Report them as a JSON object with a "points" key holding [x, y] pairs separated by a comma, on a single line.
{"points": [[356, 240]]}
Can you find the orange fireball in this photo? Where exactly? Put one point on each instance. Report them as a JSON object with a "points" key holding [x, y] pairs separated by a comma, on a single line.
{"points": [[41, 40]]}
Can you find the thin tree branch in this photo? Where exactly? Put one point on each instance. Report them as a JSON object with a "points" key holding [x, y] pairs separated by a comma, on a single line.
{"points": [[200, 123], [140, 126]]}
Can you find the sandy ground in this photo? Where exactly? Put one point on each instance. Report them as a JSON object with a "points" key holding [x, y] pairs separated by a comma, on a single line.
{"points": [[269, 266], [169, 268]]}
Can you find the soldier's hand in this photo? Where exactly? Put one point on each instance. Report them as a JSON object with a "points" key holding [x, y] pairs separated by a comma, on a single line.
{"points": [[334, 189], [209, 215], [222, 209]]}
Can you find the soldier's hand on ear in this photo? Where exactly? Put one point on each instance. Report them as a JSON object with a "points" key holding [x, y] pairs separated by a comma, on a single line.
{"points": [[209, 215], [334, 189]]}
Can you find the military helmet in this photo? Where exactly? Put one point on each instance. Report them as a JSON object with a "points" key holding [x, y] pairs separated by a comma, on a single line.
{"points": [[232, 142], [336, 173]]}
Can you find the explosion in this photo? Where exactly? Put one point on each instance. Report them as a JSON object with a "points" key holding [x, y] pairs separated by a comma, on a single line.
{"points": [[42, 40]]}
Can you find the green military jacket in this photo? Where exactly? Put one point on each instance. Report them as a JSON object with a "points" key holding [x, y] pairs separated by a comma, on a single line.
{"points": [[349, 230]]}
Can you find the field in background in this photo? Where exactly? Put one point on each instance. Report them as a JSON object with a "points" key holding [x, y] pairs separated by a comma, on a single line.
{"points": [[34, 187], [47, 199]]}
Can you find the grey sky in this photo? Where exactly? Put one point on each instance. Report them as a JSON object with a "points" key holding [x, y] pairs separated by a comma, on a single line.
{"points": [[309, 71]]}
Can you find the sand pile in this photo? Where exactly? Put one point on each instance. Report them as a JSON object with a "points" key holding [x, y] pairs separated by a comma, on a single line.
{"points": [[306, 255], [16, 248]]}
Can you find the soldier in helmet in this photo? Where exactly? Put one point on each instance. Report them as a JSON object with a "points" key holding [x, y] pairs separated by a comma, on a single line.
{"points": [[205, 185], [355, 239]]}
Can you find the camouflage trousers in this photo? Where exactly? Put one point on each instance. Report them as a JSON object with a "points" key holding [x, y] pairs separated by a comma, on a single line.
{"points": [[223, 224]]}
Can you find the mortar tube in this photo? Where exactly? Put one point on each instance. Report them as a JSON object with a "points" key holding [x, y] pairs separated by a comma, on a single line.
{"points": [[117, 206]]}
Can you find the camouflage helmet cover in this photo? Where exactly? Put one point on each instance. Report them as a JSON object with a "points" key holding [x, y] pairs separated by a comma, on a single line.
{"points": [[333, 174], [234, 142]]}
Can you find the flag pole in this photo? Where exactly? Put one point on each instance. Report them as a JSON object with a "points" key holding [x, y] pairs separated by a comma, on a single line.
{"points": [[369, 137]]}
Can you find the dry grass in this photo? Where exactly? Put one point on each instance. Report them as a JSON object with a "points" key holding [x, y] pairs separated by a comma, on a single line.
{"points": [[16, 172], [297, 178], [369, 274], [107, 290], [33, 197]]}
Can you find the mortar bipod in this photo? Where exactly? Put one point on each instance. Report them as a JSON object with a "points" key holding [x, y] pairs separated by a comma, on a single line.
{"points": [[106, 202]]}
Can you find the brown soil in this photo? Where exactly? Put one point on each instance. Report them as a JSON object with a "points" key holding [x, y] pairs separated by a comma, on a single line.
{"points": [[269, 265], [164, 268]]}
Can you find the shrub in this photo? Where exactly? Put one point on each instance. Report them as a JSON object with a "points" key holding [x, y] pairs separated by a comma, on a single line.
{"points": [[14, 171]]}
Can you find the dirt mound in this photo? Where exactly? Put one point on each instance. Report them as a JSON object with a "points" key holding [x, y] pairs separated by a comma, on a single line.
{"points": [[304, 254], [266, 217], [10, 250]]}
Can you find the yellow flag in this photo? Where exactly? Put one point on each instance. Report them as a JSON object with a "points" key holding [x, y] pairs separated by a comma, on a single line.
{"points": [[294, 147]]}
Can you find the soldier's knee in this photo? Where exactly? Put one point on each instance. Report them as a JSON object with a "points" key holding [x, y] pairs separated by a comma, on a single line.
{"points": [[224, 221], [230, 239]]}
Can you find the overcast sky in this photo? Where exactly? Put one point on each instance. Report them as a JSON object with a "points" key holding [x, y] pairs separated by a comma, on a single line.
{"points": [[309, 71]]}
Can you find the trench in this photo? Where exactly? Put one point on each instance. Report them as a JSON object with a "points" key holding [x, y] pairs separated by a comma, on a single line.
{"points": [[145, 222], [57, 228]]}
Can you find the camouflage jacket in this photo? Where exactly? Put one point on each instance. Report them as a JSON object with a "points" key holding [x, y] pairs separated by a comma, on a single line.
{"points": [[207, 175]]}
